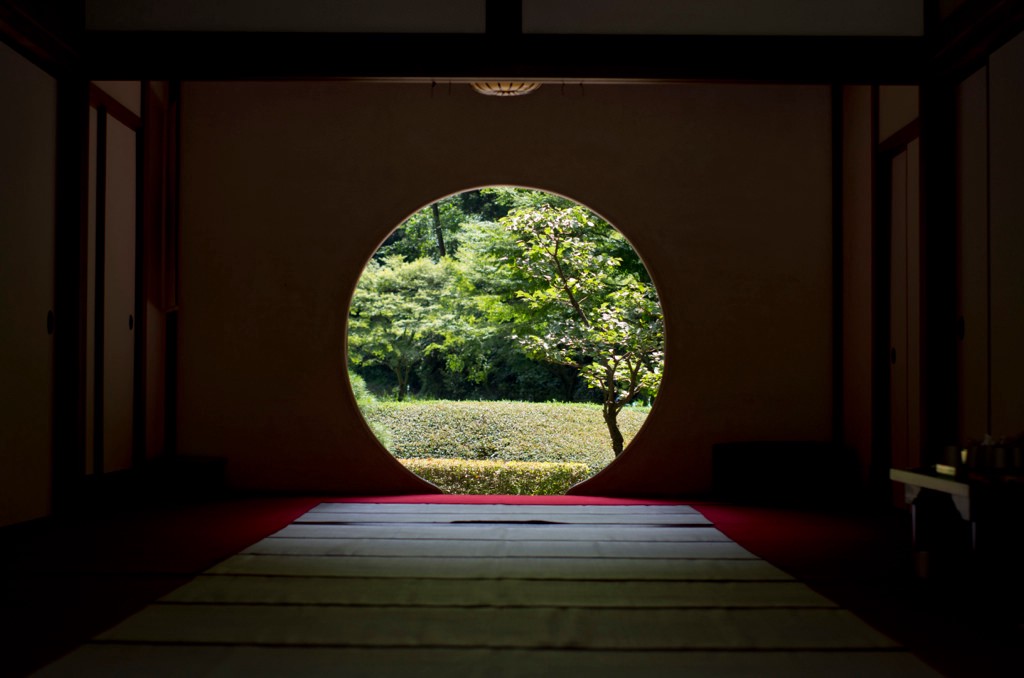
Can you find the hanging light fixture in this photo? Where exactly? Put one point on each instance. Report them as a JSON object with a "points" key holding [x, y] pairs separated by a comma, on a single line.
{"points": [[505, 89]]}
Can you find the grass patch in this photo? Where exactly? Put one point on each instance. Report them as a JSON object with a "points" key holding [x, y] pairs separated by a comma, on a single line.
{"points": [[501, 430], [468, 476]]}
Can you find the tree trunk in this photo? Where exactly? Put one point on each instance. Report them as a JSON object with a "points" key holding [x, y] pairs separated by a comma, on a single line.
{"points": [[402, 375], [611, 415], [436, 211], [569, 378]]}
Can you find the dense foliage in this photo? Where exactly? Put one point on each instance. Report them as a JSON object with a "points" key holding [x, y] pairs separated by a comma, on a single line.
{"points": [[464, 476], [500, 430], [586, 312], [506, 293]]}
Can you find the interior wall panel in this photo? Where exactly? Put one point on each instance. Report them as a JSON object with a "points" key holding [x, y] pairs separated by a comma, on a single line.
{"points": [[899, 316], [972, 250], [127, 92], [678, 17], [28, 142], [857, 271], [1006, 101], [90, 301], [724, 17], [156, 353], [350, 16], [119, 297], [915, 304], [906, 375], [288, 189], [897, 108], [154, 224]]}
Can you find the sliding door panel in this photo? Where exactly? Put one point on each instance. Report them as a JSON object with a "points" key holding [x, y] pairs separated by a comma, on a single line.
{"points": [[119, 296], [898, 314]]}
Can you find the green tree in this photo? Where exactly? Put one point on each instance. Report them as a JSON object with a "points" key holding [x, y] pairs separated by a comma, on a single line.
{"points": [[398, 315], [406, 313], [454, 326], [436, 231], [582, 308], [485, 250]]}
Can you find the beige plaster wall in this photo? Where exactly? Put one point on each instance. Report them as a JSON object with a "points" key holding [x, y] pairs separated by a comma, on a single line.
{"points": [[288, 188]]}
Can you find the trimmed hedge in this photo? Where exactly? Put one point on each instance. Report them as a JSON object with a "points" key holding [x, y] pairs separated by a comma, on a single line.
{"points": [[467, 476], [500, 430], [366, 401]]}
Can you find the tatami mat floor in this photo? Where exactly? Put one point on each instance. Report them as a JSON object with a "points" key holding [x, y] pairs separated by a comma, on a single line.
{"points": [[306, 586], [502, 590]]}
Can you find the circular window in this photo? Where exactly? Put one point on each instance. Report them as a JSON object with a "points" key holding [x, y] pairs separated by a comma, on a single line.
{"points": [[505, 341]]}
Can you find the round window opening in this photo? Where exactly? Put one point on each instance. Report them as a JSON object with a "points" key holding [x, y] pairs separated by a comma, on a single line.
{"points": [[505, 340]]}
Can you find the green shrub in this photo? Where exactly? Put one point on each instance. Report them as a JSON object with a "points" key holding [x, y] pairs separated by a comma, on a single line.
{"points": [[466, 476], [502, 430], [360, 391], [368, 404]]}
